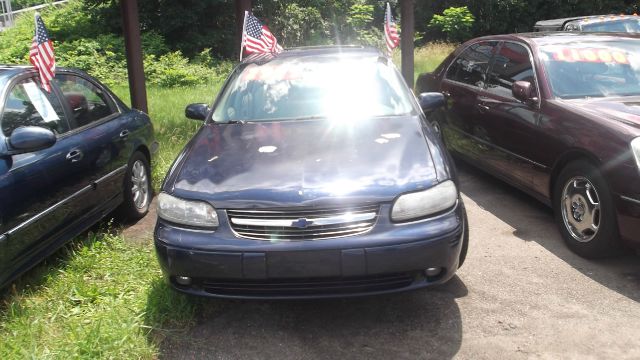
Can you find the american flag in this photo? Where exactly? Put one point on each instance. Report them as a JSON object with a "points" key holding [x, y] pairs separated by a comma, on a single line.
{"points": [[390, 32], [257, 38], [41, 54]]}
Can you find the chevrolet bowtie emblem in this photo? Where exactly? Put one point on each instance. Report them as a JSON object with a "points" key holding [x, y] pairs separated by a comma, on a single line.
{"points": [[301, 223]]}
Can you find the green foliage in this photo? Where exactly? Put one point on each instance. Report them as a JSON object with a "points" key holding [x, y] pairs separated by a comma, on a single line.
{"points": [[187, 25], [301, 26], [173, 69], [360, 16], [456, 22], [78, 45]]}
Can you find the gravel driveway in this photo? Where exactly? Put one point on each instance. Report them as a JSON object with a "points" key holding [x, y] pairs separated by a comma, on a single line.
{"points": [[521, 294]]}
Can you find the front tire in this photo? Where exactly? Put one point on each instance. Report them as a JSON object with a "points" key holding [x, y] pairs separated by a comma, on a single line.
{"points": [[465, 237], [584, 211], [137, 187]]}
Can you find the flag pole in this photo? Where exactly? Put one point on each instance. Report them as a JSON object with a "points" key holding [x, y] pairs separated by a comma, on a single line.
{"points": [[244, 28]]}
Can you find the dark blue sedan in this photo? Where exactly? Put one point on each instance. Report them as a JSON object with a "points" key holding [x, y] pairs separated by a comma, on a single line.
{"points": [[315, 174], [67, 158]]}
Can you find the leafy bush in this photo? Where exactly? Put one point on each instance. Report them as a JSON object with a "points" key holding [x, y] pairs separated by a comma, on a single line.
{"points": [[456, 22], [173, 69], [98, 56], [302, 26]]}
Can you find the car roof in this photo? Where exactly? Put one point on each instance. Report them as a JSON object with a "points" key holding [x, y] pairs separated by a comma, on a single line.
{"points": [[553, 37], [9, 71], [311, 51], [560, 23]]}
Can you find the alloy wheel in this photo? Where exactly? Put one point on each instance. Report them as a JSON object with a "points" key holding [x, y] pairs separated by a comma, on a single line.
{"points": [[139, 185], [581, 209]]}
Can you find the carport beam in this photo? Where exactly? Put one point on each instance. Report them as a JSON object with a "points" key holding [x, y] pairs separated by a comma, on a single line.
{"points": [[133, 48], [407, 22]]}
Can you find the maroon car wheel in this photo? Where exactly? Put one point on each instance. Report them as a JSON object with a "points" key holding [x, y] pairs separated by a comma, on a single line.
{"points": [[584, 211]]}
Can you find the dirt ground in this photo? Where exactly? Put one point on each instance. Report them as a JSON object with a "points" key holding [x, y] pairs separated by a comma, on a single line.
{"points": [[521, 294]]}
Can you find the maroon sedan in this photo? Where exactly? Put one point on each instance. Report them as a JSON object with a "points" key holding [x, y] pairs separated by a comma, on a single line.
{"points": [[556, 115]]}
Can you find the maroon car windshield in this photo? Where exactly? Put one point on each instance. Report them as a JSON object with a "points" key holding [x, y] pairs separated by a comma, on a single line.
{"points": [[621, 25], [593, 68]]}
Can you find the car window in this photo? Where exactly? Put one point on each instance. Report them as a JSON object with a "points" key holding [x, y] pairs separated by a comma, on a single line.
{"points": [[512, 63], [334, 87], [28, 105], [471, 66], [624, 25], [585, 69], [87, 102]]}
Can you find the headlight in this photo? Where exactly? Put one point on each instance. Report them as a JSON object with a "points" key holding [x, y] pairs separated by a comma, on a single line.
{"points": [[420, 204], [635, 148], [191, 213]]}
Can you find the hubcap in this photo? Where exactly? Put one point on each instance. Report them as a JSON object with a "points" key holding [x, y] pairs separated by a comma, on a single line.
{"points": [[581, 209], [139, 185]]}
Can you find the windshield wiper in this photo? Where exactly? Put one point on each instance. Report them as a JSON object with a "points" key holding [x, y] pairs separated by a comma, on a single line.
{"points": [[242, 122]]}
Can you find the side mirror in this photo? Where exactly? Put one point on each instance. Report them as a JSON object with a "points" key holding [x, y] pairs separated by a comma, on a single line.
{"points": [[431, 101], [30, 138], [196, 111], [523, 91]]}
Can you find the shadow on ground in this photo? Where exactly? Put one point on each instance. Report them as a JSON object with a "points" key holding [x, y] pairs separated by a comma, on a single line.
{"points": [[533, 221], [419, 324]]}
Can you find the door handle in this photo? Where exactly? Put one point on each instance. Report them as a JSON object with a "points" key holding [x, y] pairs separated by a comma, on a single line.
{"points": [[124, 134], [483, 107], [75, 155]]}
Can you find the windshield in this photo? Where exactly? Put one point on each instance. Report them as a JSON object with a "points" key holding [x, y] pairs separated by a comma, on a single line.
{"points": [[625, 25], [309, 87], [593, 69]]}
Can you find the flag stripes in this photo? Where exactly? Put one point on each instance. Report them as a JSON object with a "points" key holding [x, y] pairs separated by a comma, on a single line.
{"points": [[41, 54], [391, 36]]}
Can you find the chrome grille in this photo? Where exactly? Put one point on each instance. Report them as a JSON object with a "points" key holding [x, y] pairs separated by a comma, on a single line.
{"points": [[303, 223]]}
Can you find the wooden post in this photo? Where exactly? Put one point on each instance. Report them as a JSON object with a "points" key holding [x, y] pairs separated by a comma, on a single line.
{"points": [[407, 24], [133, 49], [241, 7]]}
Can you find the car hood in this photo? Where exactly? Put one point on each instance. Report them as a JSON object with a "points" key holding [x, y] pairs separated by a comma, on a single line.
{"points": [[304, 163], [625, 110]]}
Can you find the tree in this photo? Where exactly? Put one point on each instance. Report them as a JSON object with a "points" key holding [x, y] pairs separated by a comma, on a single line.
{"points": [[456, 22]]}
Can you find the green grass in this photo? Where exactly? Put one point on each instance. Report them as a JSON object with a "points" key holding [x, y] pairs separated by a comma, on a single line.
{"points": [[100, 297], [97, 298], [426, 58]]}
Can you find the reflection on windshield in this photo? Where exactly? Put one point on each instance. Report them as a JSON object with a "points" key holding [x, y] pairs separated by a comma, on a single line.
{"points": [[302, 88], [593, 69], [626, 25]]}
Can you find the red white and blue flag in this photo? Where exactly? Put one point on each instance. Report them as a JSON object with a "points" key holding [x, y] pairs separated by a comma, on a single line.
{"points": [[391, 36], [257, 38], [41, 54]]}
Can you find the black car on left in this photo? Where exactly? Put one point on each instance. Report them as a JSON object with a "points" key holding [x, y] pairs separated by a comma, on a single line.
{"points": [[67, 158]]}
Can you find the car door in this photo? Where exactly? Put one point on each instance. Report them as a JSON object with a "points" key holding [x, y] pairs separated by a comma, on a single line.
{"points": [[44, 191], [466, 131], [97, 122], [519, 123]]}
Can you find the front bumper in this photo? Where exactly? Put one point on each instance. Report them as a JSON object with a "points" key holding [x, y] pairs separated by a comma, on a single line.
{"points": [[389, 258]]}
